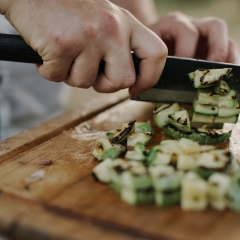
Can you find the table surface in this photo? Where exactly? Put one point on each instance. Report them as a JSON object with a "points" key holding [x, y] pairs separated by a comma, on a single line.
{"points": [[67, 203]]}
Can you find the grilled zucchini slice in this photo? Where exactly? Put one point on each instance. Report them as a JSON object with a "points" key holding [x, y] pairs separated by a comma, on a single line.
{"points": [[208, 77], [180, 120], [161, 113]]}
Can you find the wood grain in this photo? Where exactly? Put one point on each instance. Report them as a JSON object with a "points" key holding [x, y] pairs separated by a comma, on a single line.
{"points": [[69, 204]]}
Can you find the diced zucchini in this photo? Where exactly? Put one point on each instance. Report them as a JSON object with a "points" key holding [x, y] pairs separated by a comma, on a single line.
{"points": [[191, 75], [204, 108], [233, 193], [137, 196], [228, 112], [155, 157], [188, 146], [194, 194], [167, 198], [180, 120], [207, 96], [211, 162], [143, 127], [137, 154], [229, 100], [208, 77], [232, 119], [118, 168], [101, 172], [113, 152], [218, 184], [161, 113], [164, 178], [136, 178], [126, 129], [202, 118], [135, 137], [101, 146], [109, 135], [222, 88], [187, 162]]}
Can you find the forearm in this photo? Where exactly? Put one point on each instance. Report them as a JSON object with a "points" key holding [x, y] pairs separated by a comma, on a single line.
{"points": [[143, 10]]}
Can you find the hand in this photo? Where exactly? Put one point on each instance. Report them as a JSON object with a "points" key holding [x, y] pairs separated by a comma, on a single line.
{"points": [[205, 38], [72, 37]]}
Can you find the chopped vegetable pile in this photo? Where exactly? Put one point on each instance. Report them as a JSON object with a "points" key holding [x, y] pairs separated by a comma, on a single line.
{"points": [[174, 172], [215, 104], [185, 170]]}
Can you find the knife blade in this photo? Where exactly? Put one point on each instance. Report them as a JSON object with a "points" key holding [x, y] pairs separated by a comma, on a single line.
{"points": [[173, 85]]}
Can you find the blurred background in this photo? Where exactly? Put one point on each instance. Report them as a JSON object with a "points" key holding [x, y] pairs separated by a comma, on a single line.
{"points": [[33, 100]]}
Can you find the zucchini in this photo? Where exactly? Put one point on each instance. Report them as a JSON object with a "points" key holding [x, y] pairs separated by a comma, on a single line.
{"points": [[113, 152], [194, 194], [137, 196], [156, 157], [160, 115], [210, 162], [187, 162], [142, 137], [208, 77], [201, 135], [180, 120], [228, 112], [121, 134], [136, 178], [222, 88], [100, 146], [143, 127], [204, 108], [218, 185], [101, 171], [233, 193], [167, 198], [232, 119], [164, 178], [207, 96], [229, 100], [137, 154]]}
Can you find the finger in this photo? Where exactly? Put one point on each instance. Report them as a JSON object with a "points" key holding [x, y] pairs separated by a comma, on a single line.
{"points": [[216, 31], [84, 69], [153, 52], [233, 53], [56, 69], [178, 29], [119, 71]]}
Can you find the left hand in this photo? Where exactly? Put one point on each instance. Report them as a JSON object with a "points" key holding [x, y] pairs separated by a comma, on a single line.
{"points": [[206, 38]]}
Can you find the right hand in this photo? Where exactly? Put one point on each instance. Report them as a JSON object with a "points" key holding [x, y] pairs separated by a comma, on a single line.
{"points": [[72, 37]]}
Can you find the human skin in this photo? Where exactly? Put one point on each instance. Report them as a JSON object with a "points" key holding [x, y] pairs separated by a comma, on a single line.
{"points": [[72, 37], [185, 36]]}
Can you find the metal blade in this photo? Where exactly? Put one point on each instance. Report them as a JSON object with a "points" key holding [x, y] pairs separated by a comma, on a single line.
{"points": [[174, 84]]}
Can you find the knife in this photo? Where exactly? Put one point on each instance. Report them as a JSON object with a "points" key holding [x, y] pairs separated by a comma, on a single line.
{"points": [[173, 85]]}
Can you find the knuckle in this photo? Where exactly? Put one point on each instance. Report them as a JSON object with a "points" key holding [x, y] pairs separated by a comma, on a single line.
{"points": [[218, 23]]}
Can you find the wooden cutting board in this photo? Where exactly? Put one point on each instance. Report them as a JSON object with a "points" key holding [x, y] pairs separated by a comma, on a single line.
{"points": [[67, 203]]}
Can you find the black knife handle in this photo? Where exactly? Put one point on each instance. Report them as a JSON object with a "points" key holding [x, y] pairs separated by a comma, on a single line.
{"points": [[13, 48]]}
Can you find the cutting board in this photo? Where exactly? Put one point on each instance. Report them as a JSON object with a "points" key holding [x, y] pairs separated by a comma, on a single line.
{"points": [[67, 203]]}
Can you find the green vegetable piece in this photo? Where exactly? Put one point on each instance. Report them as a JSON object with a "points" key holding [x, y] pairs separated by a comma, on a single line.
{"points": [[180, 120], [113, 152], [222, 88], [233, 193]]}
